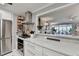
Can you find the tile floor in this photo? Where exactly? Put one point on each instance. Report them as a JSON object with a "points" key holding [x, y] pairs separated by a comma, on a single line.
{"points": [[14, 53]]}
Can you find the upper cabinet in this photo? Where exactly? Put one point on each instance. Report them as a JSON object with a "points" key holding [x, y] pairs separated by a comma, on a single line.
{"points": [[6, 15]]}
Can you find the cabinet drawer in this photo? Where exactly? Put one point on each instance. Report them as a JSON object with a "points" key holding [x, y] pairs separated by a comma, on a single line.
{"points": [[47, 52]]}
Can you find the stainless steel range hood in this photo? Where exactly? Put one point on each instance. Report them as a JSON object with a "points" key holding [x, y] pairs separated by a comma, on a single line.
{"points": [[27, 23], [28, 18]]}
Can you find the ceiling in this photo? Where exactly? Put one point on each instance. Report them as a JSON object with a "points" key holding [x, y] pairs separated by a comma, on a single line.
{"points": [[21, 8]]}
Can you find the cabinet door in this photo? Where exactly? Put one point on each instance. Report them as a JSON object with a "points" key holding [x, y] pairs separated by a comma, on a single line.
{"points": [[27, 52], [47, 52], [38, 50], [6, 15], [33, 49]]}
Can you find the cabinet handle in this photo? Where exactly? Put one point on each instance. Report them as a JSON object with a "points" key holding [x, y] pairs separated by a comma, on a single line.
{"points": [[53, 39]]}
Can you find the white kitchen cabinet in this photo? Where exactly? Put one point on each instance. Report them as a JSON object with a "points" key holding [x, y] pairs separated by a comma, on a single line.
{"points": [[32, 49], [6, 15], [40, 47], [38, 50], [47, 52], [26, 50]]}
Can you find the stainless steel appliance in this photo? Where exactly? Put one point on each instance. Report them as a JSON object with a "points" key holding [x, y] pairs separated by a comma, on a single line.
{"points": [[27, 23], [21, 46], [5, 36]]}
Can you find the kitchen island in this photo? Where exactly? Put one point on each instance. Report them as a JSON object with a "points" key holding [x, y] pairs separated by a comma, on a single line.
{"points": [[41, 46]]}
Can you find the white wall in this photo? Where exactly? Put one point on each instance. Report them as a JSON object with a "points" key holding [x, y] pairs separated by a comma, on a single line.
{"points": [[14, 29]]}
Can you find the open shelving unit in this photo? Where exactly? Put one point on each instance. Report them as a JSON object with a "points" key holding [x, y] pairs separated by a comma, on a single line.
{"points": [[20, 20]]}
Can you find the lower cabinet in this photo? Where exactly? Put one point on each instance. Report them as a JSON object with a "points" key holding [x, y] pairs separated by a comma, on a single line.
{"points": [[47, 52], [31, 49], [28, 53]]}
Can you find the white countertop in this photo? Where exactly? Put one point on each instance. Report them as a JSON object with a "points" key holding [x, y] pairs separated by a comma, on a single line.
{"points": [[61, 36], [66, 48]]}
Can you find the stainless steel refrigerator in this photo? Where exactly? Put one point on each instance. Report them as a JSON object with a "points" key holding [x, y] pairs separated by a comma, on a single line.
{"points": [[5, 36]]}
